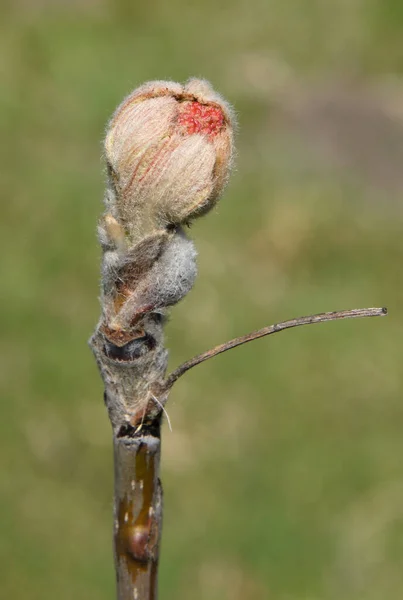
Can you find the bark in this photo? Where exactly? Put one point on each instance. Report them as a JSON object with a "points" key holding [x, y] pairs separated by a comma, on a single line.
{"points": [[137, 515]]}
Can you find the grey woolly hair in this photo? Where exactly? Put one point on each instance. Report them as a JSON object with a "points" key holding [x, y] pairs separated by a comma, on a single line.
{"points": [[166, 282]]}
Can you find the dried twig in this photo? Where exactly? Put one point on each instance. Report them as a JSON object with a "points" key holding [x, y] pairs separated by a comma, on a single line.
{"points": [[254, 335]]}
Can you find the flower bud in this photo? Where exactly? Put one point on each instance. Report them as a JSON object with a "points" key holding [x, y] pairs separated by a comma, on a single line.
{"points": [[169, 151]]}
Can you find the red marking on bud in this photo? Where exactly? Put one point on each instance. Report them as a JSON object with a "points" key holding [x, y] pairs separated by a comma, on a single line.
{"points": [[201, 118]]}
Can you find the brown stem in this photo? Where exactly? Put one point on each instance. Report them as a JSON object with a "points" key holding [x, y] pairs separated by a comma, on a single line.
{"points": [[138, 515], [254, 335]]}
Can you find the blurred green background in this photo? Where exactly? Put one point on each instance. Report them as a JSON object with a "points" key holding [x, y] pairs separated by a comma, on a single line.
{"points": [[283, 476]]}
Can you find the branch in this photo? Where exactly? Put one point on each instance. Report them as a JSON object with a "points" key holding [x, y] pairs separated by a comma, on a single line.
{"points": [[138, 515], [254, 335]]}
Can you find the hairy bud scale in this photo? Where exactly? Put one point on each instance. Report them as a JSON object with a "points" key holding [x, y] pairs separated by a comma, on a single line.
{"points": [[169, 151]]}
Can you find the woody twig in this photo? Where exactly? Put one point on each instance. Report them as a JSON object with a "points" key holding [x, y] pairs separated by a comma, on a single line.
{"points": [[168, 152]]}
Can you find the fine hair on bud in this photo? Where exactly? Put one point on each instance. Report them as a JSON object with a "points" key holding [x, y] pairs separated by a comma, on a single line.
{"points": [[169, 150]]}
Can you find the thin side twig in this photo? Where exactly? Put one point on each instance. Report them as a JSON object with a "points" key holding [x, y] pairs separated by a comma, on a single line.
{"points": [[254, 335]]}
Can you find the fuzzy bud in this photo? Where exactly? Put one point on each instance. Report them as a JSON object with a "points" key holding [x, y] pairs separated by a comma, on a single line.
{"points": [[169, 151]]}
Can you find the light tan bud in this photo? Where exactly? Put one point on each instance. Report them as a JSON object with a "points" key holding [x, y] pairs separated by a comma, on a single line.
{"points": [[169, 151]]}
